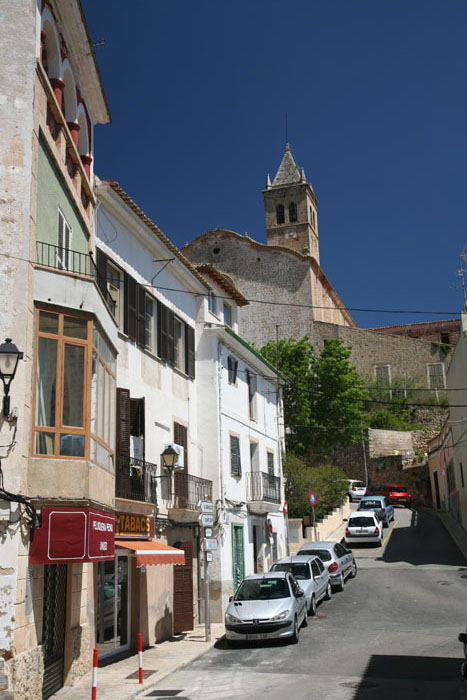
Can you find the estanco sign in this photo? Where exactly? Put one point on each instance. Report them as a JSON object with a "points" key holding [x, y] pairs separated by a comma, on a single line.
{"points": [[131, 525], [69, 535]]}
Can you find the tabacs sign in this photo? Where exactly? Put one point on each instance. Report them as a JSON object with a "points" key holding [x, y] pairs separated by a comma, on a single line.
{"points": [[133, 525]]}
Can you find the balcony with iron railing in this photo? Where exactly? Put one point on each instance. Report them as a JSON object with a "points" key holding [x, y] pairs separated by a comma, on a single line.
{"points": [[185, 493], [135, 479], [72, 262], [263, 492]]}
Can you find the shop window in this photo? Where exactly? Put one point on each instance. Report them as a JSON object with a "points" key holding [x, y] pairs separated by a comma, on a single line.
{"points": [[436, 375], [251, 381], [292, 212], [235, 460], [63, 242], [232, 368]]}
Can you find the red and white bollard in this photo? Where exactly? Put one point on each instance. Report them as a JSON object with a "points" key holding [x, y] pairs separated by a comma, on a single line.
{"points": [[94, 675], [140, 656]]}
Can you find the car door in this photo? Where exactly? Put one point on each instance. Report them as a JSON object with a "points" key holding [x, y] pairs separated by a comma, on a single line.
{"points": [[300, 600], [318, 579], [344, 558]]}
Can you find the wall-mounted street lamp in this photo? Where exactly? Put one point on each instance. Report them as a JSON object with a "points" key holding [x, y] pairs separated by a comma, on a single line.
{"points": [[9, 358], [169, 458]]}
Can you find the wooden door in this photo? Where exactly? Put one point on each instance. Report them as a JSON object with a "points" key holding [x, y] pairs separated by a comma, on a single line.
{"points": [[183, 590]]}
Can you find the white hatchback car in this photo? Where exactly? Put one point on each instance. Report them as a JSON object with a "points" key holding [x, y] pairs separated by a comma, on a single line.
{"points": [[357, 490], [364, 526]]}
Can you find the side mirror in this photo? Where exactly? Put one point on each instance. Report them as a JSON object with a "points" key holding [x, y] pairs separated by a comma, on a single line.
{"points": [[463, 638], [230, 598], [300, 593]]}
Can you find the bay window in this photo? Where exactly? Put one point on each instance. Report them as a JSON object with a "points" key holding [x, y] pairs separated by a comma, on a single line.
{"points": [[74, 397]]}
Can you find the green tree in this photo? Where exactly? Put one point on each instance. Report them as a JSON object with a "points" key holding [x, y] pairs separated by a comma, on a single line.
{"points": [[327, 481]]}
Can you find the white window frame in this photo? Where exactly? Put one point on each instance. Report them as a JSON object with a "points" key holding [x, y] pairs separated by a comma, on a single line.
{"points": [[443, 374], [64, 231], [212, 302]]}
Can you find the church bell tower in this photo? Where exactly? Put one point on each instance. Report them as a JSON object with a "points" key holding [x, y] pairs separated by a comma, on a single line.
{"points": [[291, 209]]}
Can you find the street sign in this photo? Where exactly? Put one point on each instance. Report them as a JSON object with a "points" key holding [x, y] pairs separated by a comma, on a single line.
{"points": [[208, 556], [312, 498], [206, 507], [207, 532], [210, 543], [206, 520], [286, 507]]}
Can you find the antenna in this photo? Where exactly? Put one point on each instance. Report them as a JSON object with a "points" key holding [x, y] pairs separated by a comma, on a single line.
{"points": [[462, 271]]}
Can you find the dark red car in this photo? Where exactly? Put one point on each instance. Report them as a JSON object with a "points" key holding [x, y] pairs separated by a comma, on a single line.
{"points": [[395, 493]]}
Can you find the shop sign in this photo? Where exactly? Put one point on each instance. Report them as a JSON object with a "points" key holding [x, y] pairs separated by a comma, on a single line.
{"points": [[134, 525], [70, 535]]}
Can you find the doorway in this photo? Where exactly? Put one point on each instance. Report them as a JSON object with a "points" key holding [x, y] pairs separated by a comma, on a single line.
{"points": [[436, 482], [113, 600], [183, 590], [53, 627], [238, 561]]}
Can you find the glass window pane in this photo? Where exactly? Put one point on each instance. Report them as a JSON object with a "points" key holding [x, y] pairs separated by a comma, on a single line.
{"points": [[103, 457], [107, 408], [46, 381], [112, 414], [94, 392], [95, 336], [48, 322], [100, 402], [73, 385], [72, 445], [92, 449], [75, 327], [44, 444], [104, 349]]}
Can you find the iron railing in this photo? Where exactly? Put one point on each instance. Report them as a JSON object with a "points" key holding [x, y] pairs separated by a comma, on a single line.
{"points": [[263, 487], [189, 490], [72, 261], [135, 479]]}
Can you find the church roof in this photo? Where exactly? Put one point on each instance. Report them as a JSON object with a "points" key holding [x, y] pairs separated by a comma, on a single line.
{"points": [[289, 172]]}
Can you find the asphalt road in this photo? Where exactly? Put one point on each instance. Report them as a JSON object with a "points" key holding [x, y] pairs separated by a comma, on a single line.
{"points": [[391, 634]]}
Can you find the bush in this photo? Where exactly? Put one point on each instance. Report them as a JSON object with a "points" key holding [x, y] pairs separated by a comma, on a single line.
{"points": [[327, 481]]}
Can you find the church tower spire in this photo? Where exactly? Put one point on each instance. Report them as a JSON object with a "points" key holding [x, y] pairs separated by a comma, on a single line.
{"points": [[291, 209]]}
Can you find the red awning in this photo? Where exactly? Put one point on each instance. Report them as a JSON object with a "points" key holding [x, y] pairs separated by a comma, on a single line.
{"points": [[153, 552], [69, 535]]}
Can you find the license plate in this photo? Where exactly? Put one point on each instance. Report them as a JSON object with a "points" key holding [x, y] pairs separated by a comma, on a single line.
{"points": [[362, 532], [256, 636]]}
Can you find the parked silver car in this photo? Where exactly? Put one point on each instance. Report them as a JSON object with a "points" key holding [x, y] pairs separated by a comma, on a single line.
{"points": [[364, 527], [337, 559], [312, 576], [266, 606]]}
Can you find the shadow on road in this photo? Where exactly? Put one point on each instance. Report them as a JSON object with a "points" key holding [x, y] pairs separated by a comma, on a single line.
{"points": [[406, 675], [424, 541]]}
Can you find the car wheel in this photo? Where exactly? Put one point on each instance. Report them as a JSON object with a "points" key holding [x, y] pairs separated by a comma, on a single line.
{"points": [[312, 608], [296, 632], [328, 595], [353, 571], [339, 586]]}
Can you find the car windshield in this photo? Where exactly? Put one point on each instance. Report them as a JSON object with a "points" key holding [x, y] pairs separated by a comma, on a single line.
{"points": [[263, 589], [323, 554], [397, 488], [361, 522], [369, 505], [300, 571], [359, 484]]}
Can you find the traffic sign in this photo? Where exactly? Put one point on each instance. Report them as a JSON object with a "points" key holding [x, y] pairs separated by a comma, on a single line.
{"points": [[206, 520], [286, 507], [207, 532], [312, 498], [210, 543], [206, 506], [208, 556]]}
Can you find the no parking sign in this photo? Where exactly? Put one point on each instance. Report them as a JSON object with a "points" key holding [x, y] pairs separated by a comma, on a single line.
{"points": [[312, 498]]}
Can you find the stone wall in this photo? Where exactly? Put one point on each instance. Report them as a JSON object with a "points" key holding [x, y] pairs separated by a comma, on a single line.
{"points": [[301, 532], [407, 357]]}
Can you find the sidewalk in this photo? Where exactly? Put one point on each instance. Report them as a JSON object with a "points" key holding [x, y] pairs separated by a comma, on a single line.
{"points": [[457, 532], [159, 661]]}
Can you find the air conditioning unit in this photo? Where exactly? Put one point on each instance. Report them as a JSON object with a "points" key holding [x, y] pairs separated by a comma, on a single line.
{"points": [[181, 455]]}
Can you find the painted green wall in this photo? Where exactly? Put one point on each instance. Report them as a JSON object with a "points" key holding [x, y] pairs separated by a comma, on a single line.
{"points": [[52, 195]]}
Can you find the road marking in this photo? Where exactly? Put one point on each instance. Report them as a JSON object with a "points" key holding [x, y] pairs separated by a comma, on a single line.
{"points": [[389, 534]]}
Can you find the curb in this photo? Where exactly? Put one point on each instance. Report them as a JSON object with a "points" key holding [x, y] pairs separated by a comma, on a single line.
{"points": [[141, 693]]}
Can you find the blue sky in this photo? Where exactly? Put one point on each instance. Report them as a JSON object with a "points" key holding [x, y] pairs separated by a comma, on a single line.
{"points": [[375, 93]]}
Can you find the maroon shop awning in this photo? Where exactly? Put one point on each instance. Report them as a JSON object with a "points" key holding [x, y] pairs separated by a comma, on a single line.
{"points": [[73, 535]]}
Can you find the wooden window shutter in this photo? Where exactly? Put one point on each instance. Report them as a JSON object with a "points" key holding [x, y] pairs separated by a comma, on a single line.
{"points": [[235, 461], [170, 337], [101, 264], [162, 331], [132, 308], [125, 302], [141, 317], [123, 422], [189, 351], [181, 438]]}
